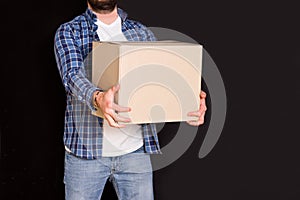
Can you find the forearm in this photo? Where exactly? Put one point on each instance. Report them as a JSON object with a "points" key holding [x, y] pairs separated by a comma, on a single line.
{"points": [[71, 66], [81, 88]]}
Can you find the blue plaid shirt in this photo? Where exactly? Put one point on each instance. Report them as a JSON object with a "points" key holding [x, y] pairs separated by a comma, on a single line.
{"points": [[83, 132]]}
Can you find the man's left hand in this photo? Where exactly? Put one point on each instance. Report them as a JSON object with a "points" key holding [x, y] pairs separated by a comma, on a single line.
{"points": [[199, 113]]}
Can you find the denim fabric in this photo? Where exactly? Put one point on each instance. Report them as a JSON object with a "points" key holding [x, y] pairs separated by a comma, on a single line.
{"points": [[131, 175]]}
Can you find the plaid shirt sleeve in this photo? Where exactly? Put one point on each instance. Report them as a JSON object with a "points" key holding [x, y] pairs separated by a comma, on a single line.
{"points": [[71, 66]]}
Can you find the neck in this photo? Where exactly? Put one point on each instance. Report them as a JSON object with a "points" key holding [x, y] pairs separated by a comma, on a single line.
{"points": [[107, 17]]}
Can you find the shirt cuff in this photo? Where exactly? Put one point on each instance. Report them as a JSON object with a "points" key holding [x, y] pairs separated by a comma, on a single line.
{"points": [[90, 95]]}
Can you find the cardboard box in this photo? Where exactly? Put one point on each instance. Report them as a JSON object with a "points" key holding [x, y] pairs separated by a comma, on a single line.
{"points": [[160, 81]]}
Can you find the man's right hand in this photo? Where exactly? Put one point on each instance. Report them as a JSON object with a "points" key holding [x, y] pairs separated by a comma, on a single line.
{"points": [[105, 102]]}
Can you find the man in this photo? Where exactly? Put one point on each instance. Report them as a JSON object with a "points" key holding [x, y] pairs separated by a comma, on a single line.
{"points": [[99, 149]]}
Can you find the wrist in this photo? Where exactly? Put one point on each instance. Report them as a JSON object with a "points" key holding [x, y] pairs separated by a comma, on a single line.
{"points": [[95, 99]]}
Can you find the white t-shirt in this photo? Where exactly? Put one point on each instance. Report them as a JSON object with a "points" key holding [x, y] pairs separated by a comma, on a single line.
{"points": [[118, 141]]}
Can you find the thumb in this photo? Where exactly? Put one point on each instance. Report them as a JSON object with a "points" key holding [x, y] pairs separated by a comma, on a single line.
{"points": [[116, 88]]}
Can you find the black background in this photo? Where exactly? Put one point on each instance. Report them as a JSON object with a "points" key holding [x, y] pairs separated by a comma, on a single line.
{"points": [[255, 45]]}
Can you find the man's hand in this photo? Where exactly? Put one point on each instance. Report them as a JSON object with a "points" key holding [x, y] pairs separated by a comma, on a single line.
{"points": [[105, 102], [199, 113]]}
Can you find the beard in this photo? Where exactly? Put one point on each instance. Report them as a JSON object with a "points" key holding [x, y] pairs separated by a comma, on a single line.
{"points": [[103, 6]]}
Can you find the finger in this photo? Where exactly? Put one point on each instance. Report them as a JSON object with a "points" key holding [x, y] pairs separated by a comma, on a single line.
{"points": [[115, 88], [199, 112], [192, 123], [202, 95], [194, 114], [119, 108], [111, 91], [202, 109], [202, 114], [202, 101], [195, 123], [201, 117], [112, 122], [202, 105], [119, 118], [115, 116], [109, 119]]}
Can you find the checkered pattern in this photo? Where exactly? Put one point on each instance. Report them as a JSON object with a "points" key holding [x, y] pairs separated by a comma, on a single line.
{"points": [[83, 132]]}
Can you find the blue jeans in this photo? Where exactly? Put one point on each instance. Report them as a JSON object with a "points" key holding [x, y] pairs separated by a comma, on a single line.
{"points": [[130, 174]]}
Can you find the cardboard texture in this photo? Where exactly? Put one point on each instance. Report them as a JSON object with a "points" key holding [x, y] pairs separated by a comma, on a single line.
{"points": [[160, 81]]}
